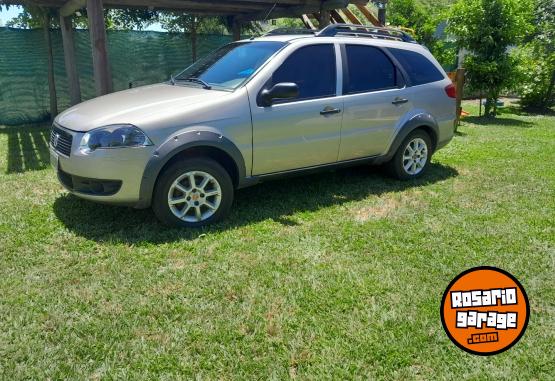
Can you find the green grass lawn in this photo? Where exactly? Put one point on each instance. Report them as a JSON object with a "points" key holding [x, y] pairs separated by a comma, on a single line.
{"points": [[337, 275]]}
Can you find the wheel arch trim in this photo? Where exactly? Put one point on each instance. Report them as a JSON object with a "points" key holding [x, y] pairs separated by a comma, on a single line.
{"points": [[420, 120], [179, 143]]}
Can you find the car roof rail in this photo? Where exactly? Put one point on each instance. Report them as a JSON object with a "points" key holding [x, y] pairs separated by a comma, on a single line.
{"points": [[355, 30], [287, 31]]}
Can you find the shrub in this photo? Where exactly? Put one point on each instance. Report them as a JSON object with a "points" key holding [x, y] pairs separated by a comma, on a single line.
{"points": [[535, 77]]}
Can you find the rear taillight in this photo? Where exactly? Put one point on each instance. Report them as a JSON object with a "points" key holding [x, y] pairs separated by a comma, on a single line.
{"points": [[451, 91]]}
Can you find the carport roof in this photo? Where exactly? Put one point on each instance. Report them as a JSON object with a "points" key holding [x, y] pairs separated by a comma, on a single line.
{"points": [[243, 9]]}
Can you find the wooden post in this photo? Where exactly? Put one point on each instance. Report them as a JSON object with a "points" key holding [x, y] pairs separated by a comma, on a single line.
{"points": [[323, 19], [66, 25], [236, 29], [459, 83], [381, 12], [194, 38], [50, 62], [97, 30]]}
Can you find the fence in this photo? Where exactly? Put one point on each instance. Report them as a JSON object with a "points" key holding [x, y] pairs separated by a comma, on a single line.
{"points": [[136, 57]]}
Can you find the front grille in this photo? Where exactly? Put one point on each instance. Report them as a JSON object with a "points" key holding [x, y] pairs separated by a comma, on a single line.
{"points": [[61, 140]]}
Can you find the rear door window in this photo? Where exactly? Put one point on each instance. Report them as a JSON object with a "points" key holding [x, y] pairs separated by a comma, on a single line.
{"points": [[368, 69], [419, 69], [312, 68]]}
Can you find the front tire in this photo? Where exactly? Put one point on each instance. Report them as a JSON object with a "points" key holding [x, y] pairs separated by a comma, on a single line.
{"points": [[192, 193], [412, 157]]}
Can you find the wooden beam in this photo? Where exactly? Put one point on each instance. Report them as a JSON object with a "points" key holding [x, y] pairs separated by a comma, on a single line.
{"points": [[176, 5], [369, 15], [247, 5], [248, 10], [336, 17], [50, 63], [307, 22], [66, 26], [97, 30], [351, 16], [295, 11], [71, 7], [192, 6]]}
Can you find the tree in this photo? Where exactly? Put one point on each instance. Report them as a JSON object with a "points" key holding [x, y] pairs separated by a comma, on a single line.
{"points": [[425, 22], [536, 59], [487, 28], [292, 23], [410, 14], [174, 21]]}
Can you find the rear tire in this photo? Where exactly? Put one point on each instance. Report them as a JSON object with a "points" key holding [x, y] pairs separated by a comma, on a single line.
{"points": [[192, 193], [412, 157]]}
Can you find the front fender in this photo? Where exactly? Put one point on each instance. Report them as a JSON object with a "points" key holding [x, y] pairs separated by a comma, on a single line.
{"points": [[178, 143]]}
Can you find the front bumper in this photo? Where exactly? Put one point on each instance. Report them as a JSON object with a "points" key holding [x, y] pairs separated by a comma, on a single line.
{"points": [[106, 175]]}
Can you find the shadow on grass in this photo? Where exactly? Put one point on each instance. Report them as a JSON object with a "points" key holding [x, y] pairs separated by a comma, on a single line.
{"points": [[500, 121], [517, 110], [27, 147], [276, 200]]}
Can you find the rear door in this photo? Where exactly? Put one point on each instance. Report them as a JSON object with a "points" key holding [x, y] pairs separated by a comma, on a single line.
{"points": [[301, 132], [375, 99]]}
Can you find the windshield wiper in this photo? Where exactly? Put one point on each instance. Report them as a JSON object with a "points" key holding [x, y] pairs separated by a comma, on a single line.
{"points": [[204, 84]]}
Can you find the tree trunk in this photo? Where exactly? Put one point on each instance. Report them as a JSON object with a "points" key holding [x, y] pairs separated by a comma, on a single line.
{"points": [[50, 63], [549, 94], [488, 112]]}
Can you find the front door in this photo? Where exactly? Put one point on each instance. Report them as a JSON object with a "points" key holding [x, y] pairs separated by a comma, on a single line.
{"points": [[305, 131]]}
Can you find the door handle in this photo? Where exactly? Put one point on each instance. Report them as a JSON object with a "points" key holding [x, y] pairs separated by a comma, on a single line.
{"points": [[330, 110], [398, 101]]}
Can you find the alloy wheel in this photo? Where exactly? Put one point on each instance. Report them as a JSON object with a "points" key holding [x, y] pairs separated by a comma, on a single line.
{"points": [[415, 156], [194, 196]]}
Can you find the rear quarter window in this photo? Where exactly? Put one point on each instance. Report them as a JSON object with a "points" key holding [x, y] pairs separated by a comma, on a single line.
{"points": [[419, 69]]}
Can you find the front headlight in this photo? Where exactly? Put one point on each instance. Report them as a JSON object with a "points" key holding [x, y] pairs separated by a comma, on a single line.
{"points": [[114, 136]]}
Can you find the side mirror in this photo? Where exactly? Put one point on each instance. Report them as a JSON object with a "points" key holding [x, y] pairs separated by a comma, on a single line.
{"points": [[283, 90]]}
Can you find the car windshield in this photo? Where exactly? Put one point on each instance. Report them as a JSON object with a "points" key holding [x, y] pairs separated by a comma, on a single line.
{"points": [[229, 66]]}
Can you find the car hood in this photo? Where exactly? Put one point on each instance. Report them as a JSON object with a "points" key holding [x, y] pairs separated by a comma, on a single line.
{"points": [[138, 106]]}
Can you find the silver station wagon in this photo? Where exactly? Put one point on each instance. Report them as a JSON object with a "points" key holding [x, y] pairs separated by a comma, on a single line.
{"points": [[255, 109]]}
